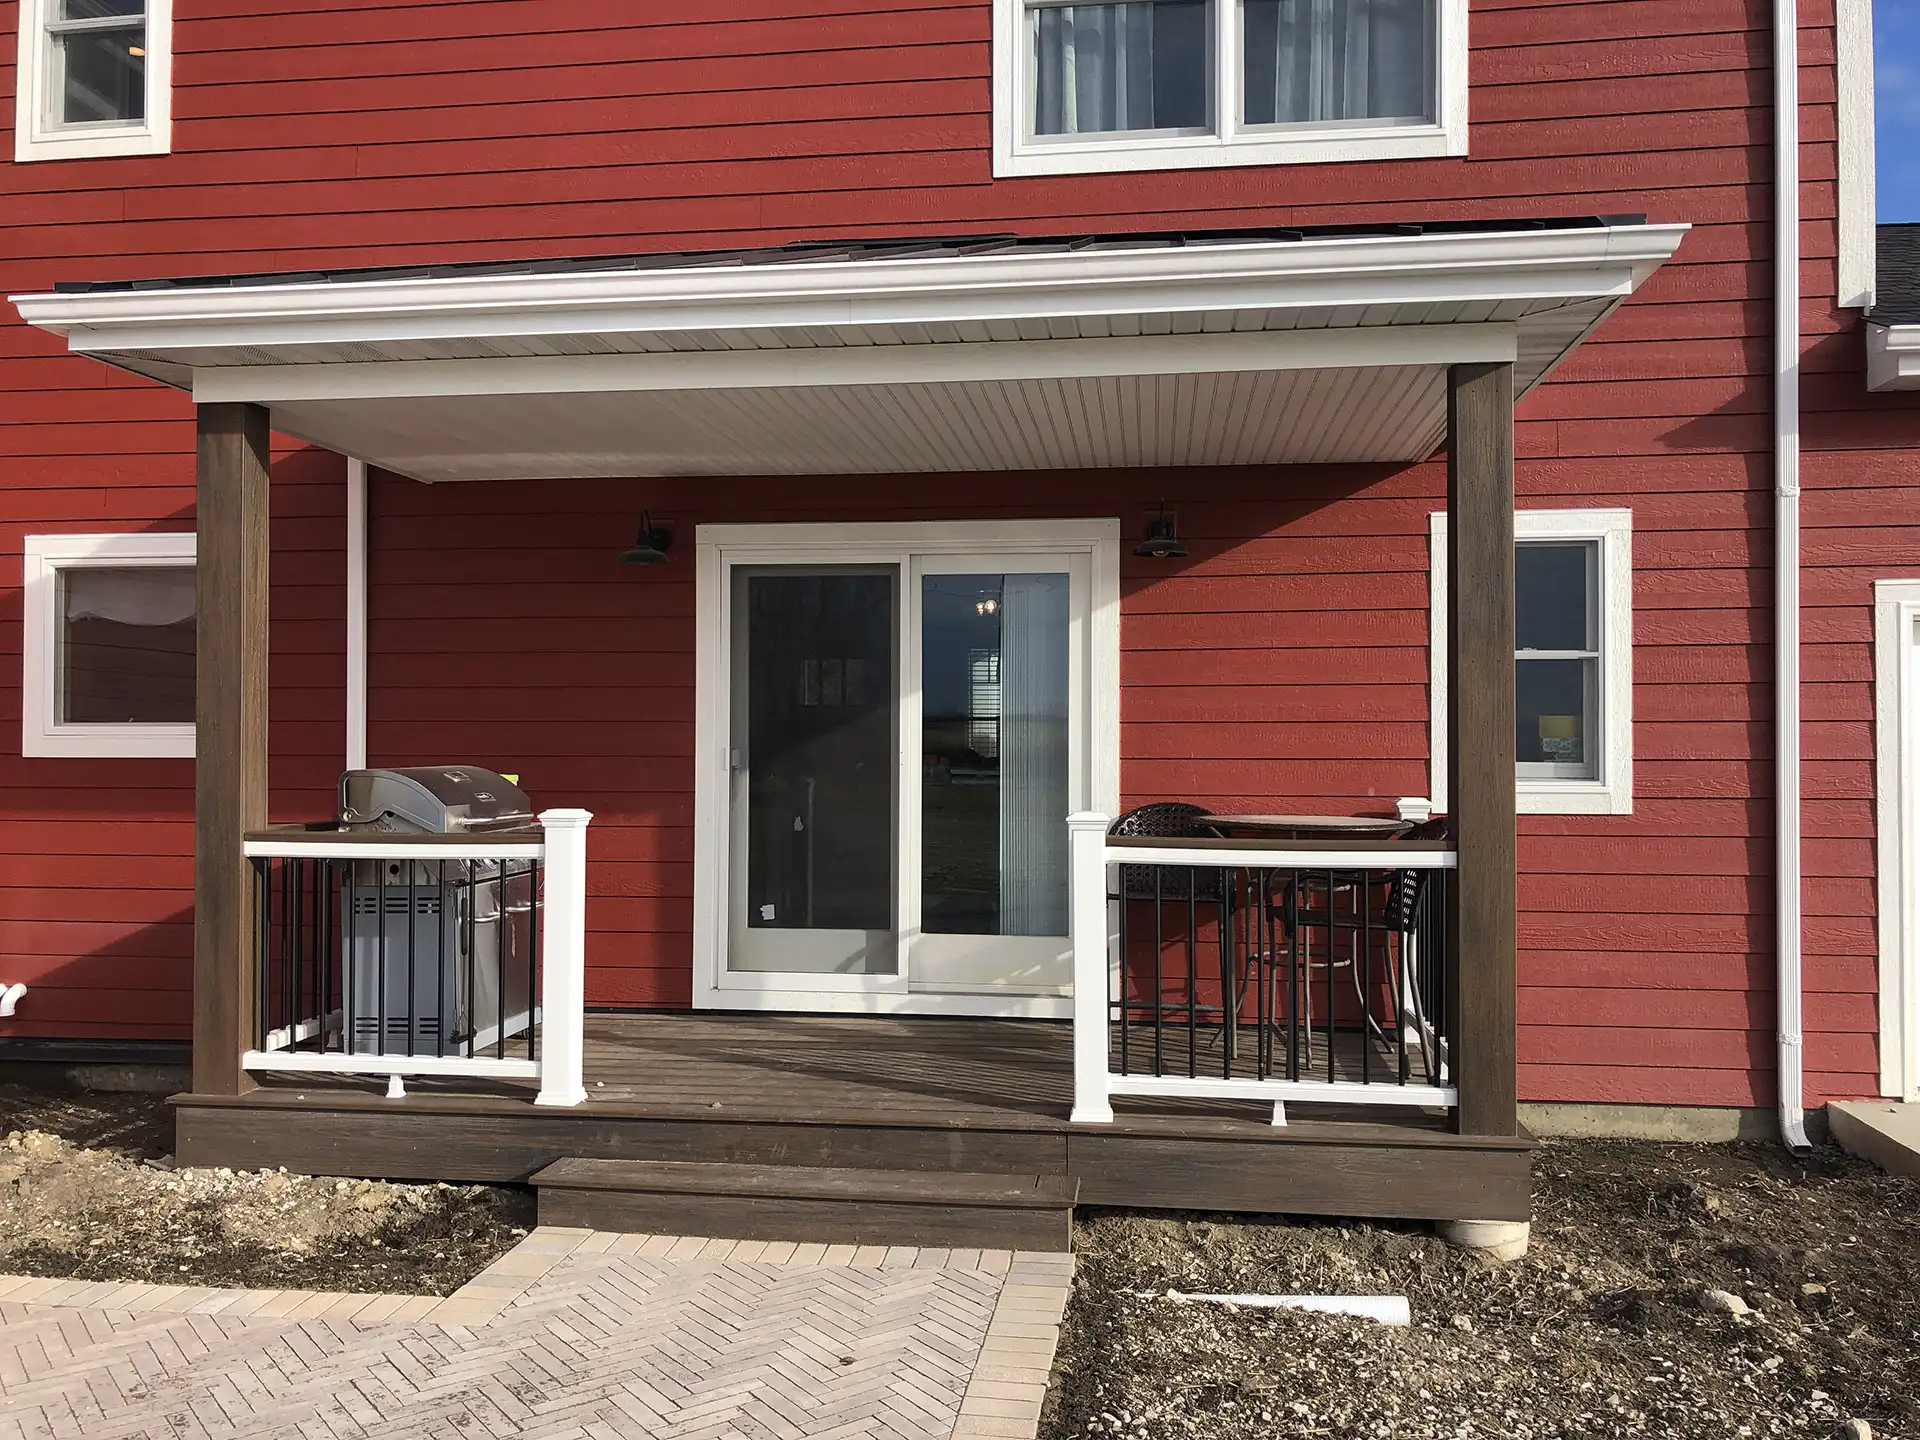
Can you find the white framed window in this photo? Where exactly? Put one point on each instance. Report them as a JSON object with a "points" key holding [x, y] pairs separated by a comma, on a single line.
{"points": [[1573, 661], [1177, 84], [107, 654], [95, 78]]}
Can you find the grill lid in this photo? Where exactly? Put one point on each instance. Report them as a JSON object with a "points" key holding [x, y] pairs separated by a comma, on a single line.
{"points": [[432, 800]]}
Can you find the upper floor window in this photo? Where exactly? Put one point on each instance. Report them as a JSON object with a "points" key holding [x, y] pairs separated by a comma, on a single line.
{"points": [[1166, 84], [94, 79]]}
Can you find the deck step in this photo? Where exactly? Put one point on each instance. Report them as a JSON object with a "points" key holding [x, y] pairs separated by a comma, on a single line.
{"points": [[803, 1203]]}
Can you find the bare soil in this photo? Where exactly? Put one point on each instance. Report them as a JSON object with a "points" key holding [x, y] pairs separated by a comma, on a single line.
{"points": [[89, 1191], [1601, 1331]]}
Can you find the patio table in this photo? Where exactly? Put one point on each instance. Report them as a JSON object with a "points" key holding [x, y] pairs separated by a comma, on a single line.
{"points": [[1310, 826]]}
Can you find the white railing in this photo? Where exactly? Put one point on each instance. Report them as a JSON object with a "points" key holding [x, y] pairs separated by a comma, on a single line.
{"points": [[312, 949], [1381, 923]]}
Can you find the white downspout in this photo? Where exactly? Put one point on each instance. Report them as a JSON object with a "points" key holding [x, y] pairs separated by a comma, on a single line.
{"points": [[356, 614], [1786, 565]]}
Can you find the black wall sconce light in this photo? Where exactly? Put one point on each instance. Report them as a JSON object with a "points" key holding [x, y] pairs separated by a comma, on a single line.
{"points": [[651, 546], [1161, 543]]}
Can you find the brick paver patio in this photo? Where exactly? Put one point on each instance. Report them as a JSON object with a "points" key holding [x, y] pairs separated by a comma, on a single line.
{"points": [[572, 1336]]}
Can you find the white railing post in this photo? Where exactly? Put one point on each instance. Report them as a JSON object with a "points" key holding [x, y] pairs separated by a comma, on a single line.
{"points": [[563, 941], [1087, 867]]}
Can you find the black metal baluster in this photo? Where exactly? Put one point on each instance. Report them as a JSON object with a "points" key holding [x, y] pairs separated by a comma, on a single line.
{"points": [[1259, 965], [473, 1008], [1404, 979], [1293, 974], [1366, 977], [1193, 988], [1229, 999], [1159, 995], [500, 962], [263, 1005], [1332, 922], [326, 954]]}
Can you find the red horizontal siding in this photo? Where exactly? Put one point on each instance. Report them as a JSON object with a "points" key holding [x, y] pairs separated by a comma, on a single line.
{"points": [[1283, 666]]}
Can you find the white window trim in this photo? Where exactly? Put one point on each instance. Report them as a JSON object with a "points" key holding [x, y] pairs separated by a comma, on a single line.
{"points": [[35, 138], [1854, 121], [1896, 713], [715, 547], [1015, 154], [42, 733], [1611, 792]]}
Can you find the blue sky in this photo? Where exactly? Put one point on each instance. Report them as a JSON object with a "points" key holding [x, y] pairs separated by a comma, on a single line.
{"points": [[1896, 93]]}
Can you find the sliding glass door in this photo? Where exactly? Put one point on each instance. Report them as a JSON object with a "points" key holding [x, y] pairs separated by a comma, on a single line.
{"points": [[905, 741]]}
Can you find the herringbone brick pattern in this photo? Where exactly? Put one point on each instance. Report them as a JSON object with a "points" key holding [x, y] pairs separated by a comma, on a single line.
{"points": [[603, 1346]]}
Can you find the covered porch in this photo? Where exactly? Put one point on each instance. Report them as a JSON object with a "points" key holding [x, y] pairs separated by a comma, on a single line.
{"points": [[900, 359]]}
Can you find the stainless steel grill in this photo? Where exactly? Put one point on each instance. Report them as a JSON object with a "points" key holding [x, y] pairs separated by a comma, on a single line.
{"points": [[438, 952]]}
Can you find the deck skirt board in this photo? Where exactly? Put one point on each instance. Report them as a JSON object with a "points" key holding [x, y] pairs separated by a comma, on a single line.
{"points": [[807, 1203], [933, 1100]]}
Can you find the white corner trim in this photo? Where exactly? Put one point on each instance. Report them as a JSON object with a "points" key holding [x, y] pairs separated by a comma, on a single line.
{"points": [[1227, 141], [1893, 357], [356, 614], [42, 733], [716, 549], [1612, 792], [35, 137], [1438, 268], [1896, 717], [1854, 118]]}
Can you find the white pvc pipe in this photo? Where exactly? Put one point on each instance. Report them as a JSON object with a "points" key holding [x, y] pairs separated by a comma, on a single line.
{"points": [[1386, 1309], [1786, 569], [356, 614], [9, 998]]}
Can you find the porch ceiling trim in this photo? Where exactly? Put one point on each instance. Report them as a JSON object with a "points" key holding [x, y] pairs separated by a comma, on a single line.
{"points": [[1011, 360]]}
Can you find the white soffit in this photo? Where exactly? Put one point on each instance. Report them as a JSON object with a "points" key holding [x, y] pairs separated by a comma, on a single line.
{"points": [[1217, 352]]}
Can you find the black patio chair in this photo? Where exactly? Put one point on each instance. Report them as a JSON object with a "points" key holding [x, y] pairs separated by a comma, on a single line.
{"points": [[1166, 820]]}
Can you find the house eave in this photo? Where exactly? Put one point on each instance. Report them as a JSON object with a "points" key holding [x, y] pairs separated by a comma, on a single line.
{"points": [[1325, 349]]}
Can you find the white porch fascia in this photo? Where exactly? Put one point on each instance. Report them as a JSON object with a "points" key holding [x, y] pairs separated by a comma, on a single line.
{"points": [[1263, 350]]}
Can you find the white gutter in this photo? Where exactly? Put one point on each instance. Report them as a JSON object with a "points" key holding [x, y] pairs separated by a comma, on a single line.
{"points": [[1592, 262], [1786, 567]]}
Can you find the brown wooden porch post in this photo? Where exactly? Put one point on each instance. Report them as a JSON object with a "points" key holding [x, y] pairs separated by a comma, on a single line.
{"points": [[230, 714], [1480, 743]]}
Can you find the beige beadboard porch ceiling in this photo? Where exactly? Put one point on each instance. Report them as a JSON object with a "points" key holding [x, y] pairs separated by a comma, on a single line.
{"points": [[990, 353]]}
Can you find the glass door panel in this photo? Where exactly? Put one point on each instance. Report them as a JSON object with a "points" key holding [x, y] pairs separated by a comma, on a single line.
{"points": [[998, 664], [815, 771]]}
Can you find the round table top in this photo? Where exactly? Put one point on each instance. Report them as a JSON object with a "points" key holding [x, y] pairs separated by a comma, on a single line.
{"points": [[1320, 824]]}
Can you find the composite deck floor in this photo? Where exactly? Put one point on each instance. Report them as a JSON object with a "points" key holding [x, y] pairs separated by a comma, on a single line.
{"points": [[1003, 1073]]}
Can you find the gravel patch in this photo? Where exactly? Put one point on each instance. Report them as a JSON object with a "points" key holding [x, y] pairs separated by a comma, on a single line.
{"points": [[1684, 1291], [89, 1192]]}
